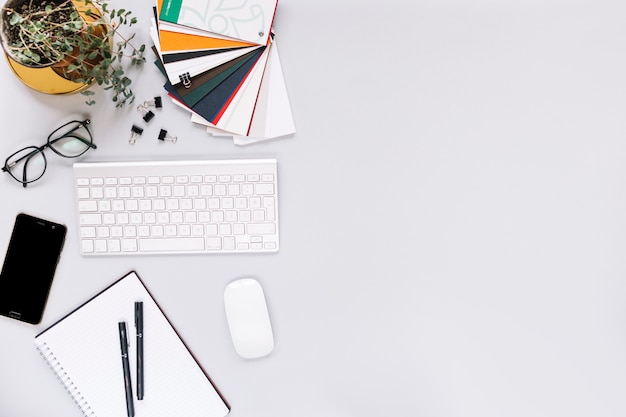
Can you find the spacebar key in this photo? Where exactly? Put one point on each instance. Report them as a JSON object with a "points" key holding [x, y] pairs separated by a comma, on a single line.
{"points": [[176, 244]]}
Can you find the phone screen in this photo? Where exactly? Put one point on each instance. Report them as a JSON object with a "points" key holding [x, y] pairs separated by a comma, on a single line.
{"points": [[31, 259]]}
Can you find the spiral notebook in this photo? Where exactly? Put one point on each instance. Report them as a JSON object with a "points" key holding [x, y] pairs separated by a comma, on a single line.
{"points": [[83, 349]]}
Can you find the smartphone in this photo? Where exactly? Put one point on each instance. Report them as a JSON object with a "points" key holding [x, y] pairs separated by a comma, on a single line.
{"points": [[29, 265]]}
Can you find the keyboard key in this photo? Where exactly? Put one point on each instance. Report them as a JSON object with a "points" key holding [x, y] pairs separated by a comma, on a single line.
{"points": [[100, 245], [261, 228], [247, 189], [104, 205], [176, 244], [233, 189], [110, 192], [114, 245], [214, 243], [206, 189], [258, 215], [220, 189], [229, 243], [137, 192], [97, 192], [87, 231], [82, 192], [88, 205], [225, 229], [87, 246], [264, 189], [90, 219], [129, 245]]}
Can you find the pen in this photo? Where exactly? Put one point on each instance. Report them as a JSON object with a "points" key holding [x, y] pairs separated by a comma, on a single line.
{"points": [[130, 409], [139, 328]]}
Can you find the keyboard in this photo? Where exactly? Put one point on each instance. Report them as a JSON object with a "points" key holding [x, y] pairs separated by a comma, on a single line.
{"points": [[176, 207]]}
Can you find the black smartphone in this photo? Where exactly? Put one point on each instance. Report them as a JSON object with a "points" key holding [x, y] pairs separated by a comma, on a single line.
{"points": [[31, 259]]}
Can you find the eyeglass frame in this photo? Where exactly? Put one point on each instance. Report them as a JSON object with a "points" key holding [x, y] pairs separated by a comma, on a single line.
{"points": [[39, 150]]}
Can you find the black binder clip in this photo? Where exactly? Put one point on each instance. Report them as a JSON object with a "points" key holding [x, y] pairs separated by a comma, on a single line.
{"points": [[144, 108], [164, 136], [147, 114], [185, 78], [136, 131], [156, 102]]}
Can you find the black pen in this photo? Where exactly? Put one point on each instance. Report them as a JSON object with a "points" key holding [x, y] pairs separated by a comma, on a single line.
{"points": [[130, 408], [139, 328]]}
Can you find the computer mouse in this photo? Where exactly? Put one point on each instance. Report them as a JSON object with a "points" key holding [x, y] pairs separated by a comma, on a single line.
{"points": [[248, 318]]}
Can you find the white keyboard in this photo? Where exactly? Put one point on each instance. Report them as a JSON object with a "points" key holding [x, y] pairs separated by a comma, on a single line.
{"points": [[173, 207]]}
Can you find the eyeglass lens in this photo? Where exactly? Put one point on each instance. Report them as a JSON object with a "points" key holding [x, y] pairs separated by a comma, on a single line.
{"points": [[27, 165], [71, 140]]}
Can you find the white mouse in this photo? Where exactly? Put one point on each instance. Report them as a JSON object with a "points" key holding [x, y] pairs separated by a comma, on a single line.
{"points": [[248, 318]]}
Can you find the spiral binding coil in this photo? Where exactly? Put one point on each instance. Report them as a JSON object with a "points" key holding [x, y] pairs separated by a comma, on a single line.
{"points": [[65, 379]]}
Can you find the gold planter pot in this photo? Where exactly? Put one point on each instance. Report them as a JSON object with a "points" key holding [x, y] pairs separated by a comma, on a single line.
{"points": [[49, 79]]}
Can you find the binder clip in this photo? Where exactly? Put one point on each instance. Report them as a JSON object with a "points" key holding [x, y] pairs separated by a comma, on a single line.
{"points": [[156, 102], [164, 136], [136, 131], [185, 78], [144, 108]]}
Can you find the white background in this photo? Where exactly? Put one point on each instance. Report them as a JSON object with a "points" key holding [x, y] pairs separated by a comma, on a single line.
{"points": [[453, 216]]}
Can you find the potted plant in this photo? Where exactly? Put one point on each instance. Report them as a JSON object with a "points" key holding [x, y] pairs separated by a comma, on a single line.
{"points": [[80, 39]]}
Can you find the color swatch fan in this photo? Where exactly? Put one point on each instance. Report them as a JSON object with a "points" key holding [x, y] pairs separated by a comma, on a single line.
{"points": [[222, 65]]}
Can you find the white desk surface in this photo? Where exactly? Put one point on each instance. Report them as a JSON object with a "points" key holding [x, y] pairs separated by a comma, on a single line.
{"points": [[453, 217]]}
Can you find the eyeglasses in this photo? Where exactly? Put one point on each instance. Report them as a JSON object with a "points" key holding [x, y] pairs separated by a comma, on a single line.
{"points": [[69, 141]]}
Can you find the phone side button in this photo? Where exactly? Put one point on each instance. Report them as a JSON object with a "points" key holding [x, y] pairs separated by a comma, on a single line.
{"points": [[15, 314]]}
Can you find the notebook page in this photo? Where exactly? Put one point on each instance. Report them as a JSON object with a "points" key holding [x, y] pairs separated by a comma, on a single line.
{"points": [[85, 345]]}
